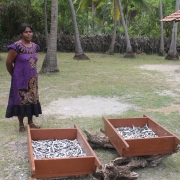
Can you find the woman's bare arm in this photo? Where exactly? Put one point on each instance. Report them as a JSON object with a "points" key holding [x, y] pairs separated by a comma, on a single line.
{"points": [[12, 54]]}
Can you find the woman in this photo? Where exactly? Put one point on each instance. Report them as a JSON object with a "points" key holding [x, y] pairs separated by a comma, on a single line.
{"points": [[21, 65]]}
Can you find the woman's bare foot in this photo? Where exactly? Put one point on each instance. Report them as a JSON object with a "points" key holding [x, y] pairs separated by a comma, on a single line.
{"points": [[22, 129], [33, 126]]}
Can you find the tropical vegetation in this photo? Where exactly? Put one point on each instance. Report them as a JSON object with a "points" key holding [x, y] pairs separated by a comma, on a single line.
{"points": [[126, 17], [142, 17]]}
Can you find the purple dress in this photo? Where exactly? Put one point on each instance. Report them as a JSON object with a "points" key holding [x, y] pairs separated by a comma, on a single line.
{"points": [[23, 96]]}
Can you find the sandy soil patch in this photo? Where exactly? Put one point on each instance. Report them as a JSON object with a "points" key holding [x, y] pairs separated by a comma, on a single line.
{"points": [[85, 106], [162, 68], [171, 71]]}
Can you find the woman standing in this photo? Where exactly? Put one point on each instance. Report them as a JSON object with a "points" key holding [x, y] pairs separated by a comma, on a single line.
{"points": [[21, 65]]}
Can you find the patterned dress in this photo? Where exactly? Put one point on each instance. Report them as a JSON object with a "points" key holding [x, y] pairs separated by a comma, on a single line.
{"points": [[23, 96]]}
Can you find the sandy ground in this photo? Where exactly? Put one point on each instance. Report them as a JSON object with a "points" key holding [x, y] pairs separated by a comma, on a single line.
{"points": [[85, 106], [171, 71], [97, 106]]}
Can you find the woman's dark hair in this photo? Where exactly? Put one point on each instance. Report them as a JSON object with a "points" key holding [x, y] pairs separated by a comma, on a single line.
{"points": [[24, 26]]}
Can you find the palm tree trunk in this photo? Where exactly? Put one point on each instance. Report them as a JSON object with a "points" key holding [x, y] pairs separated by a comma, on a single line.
{"points": [[79, 53], [50, 62], [161, 49], [87, 16], [129, 52], [172, 53], [93, 14], [28, 9], [111, 47], [45, 23]]}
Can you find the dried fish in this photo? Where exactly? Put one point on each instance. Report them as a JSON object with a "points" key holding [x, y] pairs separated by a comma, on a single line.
{"points": [[136, 132], [56, 149]]}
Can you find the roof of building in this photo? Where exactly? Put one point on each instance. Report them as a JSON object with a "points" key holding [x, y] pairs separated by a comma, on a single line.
{"points": [[173, 17]]}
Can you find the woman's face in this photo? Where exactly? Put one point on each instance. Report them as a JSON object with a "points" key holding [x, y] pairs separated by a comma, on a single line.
{"points": [[27, 34]]}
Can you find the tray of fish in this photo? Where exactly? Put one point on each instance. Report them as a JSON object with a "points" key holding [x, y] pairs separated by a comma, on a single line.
{"points": [[136, 132], [57, 148], [139, 136], [60, 152]]}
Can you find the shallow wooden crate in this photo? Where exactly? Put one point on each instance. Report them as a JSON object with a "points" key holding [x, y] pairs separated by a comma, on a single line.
{"points": [[60, 167], [166, 142]]}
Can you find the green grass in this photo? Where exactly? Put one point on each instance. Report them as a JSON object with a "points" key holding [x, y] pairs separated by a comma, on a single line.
{"points": [[104, 76]]}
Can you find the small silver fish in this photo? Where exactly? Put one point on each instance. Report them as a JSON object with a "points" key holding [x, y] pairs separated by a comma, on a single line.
{"points": [[56, 149], [136, 132]]}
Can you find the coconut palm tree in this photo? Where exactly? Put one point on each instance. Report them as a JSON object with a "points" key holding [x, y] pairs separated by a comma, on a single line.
{"points": [[132, 8], [50, 62], [79, 53], [111, 47], [161, 49], [45, 22], [172, 53], [129, 52], [85, 4]]}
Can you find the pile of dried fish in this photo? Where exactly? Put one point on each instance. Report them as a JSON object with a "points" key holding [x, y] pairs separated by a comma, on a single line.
{"points": [[56, 149], [136, 132]]}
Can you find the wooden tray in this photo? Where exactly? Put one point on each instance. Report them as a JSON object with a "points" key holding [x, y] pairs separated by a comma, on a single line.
{"points": [[57, 167], [166, 142]]}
